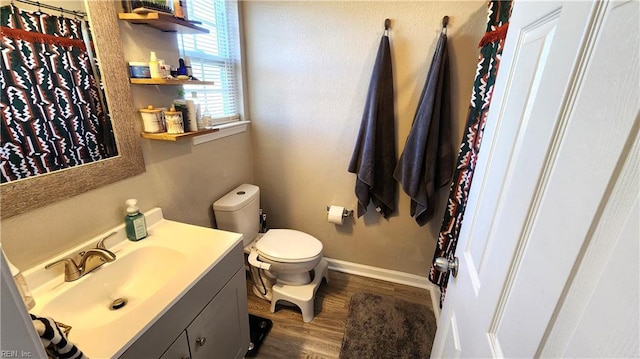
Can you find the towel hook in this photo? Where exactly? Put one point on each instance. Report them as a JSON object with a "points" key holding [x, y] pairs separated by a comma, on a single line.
{"points": [[445, 22], [387, 24]]}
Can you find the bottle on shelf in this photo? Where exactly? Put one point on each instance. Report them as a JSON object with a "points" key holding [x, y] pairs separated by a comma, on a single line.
{"points": [[154, 66], [194, 110], [187, 65], [179, 9]]}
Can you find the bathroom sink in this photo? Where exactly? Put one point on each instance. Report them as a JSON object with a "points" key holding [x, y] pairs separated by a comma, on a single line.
{"points": [[149, 276], [134, 278]]}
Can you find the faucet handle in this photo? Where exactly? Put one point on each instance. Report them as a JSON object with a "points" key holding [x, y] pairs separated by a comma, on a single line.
{"points": [[71, 271], [100, 244]]}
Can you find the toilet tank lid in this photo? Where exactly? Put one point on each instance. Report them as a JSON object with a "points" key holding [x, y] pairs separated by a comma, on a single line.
{"points": [[237, 198]]}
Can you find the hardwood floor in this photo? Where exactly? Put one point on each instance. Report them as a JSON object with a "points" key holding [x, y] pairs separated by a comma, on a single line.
{"points": [[291, 338]]}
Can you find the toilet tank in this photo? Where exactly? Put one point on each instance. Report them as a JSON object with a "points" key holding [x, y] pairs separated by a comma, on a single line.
{"points": [[239, 211]]}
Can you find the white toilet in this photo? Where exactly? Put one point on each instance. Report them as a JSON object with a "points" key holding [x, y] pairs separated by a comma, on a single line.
{"points": [[285, 264]]}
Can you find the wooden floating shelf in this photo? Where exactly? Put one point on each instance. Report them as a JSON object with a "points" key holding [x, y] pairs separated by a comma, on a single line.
{"points": [[163, 22], [163, 136], [169, 82]]}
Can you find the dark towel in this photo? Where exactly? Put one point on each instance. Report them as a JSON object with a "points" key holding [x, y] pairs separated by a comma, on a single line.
{"points": [[426, 163], [54, 340], [374, 156]]}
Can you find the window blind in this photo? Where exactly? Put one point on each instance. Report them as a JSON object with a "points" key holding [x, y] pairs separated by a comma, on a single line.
{"points": [[213, 56]]}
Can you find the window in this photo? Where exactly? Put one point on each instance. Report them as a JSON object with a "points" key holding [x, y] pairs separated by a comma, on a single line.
{"points": [[214, 57]]}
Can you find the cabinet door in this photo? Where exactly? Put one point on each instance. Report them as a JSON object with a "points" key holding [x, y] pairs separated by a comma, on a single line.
{"points": [[221, 330], [179, 349]]}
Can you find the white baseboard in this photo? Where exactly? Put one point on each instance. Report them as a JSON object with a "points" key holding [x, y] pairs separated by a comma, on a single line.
{"points": [[389, 276]]}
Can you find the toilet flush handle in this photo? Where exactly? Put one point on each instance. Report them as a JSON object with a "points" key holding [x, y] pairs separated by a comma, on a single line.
{"points": [[253, 260]]}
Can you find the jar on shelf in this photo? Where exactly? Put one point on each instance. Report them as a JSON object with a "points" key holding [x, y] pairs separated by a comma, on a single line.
{"points": [[152, 120], [174, 121]]}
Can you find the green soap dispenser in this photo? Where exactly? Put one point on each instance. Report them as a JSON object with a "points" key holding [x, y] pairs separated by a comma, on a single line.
{"points": [[135, 224]]}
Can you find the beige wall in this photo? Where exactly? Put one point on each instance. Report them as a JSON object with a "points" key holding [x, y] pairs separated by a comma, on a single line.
{"points": [[182, 179], [308, 66]]}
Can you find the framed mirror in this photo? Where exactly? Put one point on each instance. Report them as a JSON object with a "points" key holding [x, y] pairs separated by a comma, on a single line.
{"points": [[27, 194]]}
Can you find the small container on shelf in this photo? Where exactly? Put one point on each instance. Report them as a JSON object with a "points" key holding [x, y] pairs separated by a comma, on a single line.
{"points": [[165, 69], [152, 120], [174, 121], [139, 70], [181, 106], [179, 9]]}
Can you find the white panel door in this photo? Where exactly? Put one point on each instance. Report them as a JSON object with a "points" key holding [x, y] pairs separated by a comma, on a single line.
{"points": [[558, 169]]}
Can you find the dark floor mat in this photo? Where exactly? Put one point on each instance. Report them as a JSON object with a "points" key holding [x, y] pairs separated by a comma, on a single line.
{"points": [[379, 324], [258, 329]]}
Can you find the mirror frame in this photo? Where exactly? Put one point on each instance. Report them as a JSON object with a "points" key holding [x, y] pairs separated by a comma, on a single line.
{"points": [[31, 193]]}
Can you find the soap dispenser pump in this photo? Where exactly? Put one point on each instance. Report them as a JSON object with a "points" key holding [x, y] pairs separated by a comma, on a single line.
{"points": [[135, 223]]}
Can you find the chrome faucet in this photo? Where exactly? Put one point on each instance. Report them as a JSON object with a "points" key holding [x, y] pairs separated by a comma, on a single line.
{"points": [[89, 261]]}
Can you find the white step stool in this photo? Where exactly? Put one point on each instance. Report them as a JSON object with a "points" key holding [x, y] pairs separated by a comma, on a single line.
{"points": [[301, 295]]}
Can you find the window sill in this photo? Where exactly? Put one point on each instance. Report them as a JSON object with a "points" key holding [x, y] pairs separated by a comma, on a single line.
{"points": [[224, 130]]}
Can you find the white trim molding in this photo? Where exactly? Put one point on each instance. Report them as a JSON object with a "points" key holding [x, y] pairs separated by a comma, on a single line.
{"points": [[225, 130], [389, 275]]}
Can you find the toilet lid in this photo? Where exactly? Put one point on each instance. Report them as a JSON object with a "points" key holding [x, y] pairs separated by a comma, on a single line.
{"points": [[288, 245]]}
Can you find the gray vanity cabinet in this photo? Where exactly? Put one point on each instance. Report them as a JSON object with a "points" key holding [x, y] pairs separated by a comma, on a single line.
{"points": [[179, 349], [217, 332], [210, 321]]}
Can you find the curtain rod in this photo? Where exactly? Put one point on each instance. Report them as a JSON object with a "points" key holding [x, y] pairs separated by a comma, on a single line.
{"points": [[62, 10]]}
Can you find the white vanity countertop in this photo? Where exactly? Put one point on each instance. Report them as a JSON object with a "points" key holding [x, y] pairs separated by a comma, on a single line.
{"points": [[152, 274]]}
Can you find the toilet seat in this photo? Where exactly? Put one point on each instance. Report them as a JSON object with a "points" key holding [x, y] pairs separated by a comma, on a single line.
{"points": [[288, 246], [284, 261]]}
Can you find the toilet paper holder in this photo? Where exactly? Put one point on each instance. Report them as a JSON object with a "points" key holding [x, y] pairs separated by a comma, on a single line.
{"points": [[345, 213]]}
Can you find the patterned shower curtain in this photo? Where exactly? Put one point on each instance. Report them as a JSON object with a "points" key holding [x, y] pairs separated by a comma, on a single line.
{"points": [[52, 116], [491, 47]]}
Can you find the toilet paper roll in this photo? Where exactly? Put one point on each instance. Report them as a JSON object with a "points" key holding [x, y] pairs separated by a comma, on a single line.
{"points": [[335, 215]]}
